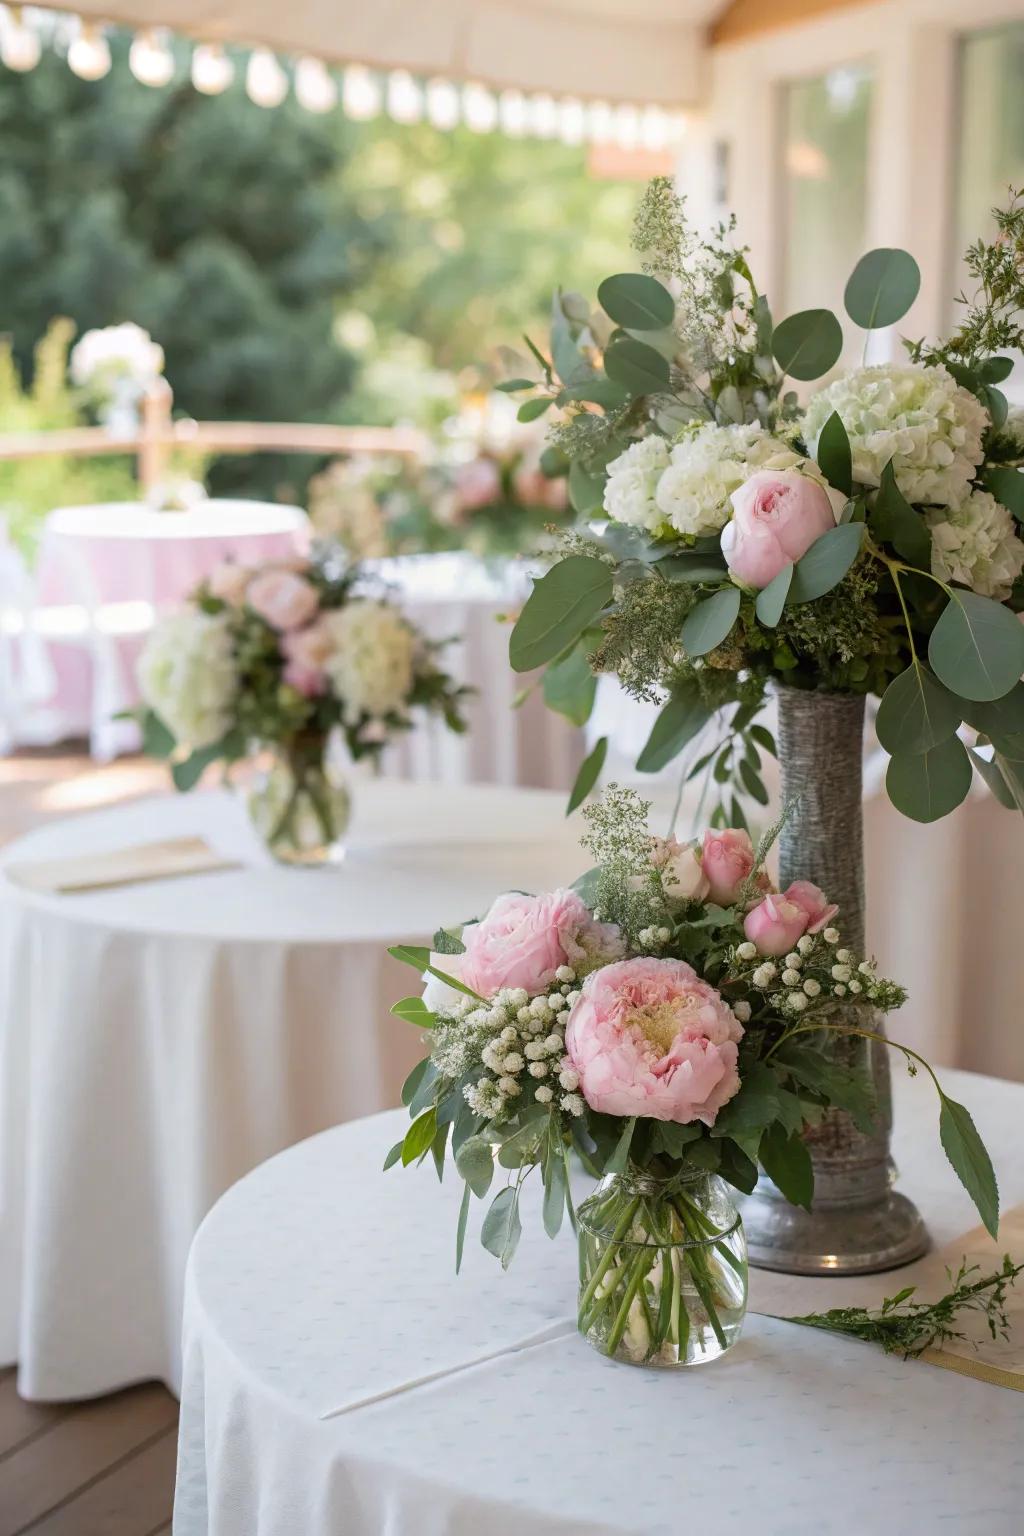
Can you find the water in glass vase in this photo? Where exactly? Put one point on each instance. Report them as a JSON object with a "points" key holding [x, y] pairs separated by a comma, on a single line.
{"points": [[663, 1269], [301, 810]]}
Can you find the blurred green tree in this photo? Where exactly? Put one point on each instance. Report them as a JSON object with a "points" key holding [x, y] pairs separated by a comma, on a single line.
{"points": [[280, 257]]}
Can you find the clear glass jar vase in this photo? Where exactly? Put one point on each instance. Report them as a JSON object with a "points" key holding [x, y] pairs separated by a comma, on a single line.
{"points": [[663, 1268], [301, 808]]}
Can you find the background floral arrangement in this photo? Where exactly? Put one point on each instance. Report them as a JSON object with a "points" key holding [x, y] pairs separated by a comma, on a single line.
{"points": [[280, 656], [489, 486], [867, 543], [664, 1016]]}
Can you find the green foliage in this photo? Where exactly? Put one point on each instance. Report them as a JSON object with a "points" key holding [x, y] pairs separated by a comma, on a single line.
{"points": [[808, 344], [881, 288], [710, 622], [561, 606], [30, 488], [825, 563], [977, 647], [993, 318], [971, 1162], [588, 775], [928, 785], [916, 713]]}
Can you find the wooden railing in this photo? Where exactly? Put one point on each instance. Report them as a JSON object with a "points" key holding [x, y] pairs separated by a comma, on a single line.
{"points": [[158, 435]]}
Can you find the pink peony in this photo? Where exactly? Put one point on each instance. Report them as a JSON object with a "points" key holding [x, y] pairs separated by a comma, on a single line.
{"points": [[524, 939], [477, 484], [813, 902], [775, 924], [305, 652], [728, 858], [649, 1037], [285, 600], [777, 516], [229, 582]]}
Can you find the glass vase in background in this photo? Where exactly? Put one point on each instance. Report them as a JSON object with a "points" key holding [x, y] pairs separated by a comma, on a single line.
{"points": [[300, 806], [663, 1268]]}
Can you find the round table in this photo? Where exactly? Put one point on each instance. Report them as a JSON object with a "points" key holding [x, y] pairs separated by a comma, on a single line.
{"points": [[104, 573], [159, 1040], [340, 1377]]}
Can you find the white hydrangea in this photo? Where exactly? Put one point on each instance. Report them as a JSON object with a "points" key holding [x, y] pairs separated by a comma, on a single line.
{"points": [[705, 466], [976, 544], [916, 415], [371, 660], [188, 675], [632, 481], [103, 357]]}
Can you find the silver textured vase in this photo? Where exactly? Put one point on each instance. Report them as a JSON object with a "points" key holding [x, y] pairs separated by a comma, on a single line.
{"points": [[858, 1222]]}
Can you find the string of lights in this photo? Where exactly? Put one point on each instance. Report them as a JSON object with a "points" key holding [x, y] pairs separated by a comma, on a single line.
{"points": [[359, 91]]}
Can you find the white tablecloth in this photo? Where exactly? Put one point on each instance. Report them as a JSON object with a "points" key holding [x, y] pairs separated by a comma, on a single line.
{"points": [[104, 574], [158, 1041], [340, 1378], [471, 602]]}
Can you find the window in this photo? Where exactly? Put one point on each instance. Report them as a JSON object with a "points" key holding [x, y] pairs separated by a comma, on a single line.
{"points": [[825, 129], [990, 152]]}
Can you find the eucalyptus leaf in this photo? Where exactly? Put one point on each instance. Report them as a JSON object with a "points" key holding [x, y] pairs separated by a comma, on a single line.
{"points": [[460, 1230], [187, 773], [825, 563], [971, 1162], [475, 1163], [787, 1163], [881, 288], [835, 458], [692, 567], [916, 712], [637, 367], [510, 386], [1007, 486], [996, 403], [563, 603], [928, 785], [678, 723], [393, 1156], [157, 740], [554, 1193], [752, 783], [808, 344], [586, 489], [413, 1081], [995, 369], [894, 520], [570, 686], [502, 1228], [977, 647], [590, 770], [418, 1137], [596, 391], [996, 718], [707, 625], [771, 599], [636, 302], [620, 1156], [992, 775]]}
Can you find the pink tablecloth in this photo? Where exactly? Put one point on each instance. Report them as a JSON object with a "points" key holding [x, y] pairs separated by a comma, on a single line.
{"points": [[105, 573]]}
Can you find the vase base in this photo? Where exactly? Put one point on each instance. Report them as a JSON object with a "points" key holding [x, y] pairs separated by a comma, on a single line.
{"points": [[832, 1240]]}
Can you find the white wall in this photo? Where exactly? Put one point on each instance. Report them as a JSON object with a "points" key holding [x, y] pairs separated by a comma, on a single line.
{"points": [[911, 47]]}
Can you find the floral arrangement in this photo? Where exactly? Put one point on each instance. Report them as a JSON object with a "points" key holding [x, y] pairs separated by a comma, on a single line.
{"points": [[281, 656], [488, 486], [115, 366], [866, 542], [663, 1020]]}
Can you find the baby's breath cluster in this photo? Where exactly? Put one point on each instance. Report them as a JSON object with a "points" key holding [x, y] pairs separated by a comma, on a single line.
{"points": [[511, 1047], [816, 974]]}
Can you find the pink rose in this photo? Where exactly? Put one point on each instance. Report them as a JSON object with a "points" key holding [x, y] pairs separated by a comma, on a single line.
{"points": [[477, 484], [524, 939], [728, 859], [229, 582], [774, 925], [777, 516], [649, 1037], [284, 599], [305, 651], [813, 903]]}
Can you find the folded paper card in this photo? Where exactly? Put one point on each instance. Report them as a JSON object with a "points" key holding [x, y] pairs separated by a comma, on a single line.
{"points": [[120, 866]]}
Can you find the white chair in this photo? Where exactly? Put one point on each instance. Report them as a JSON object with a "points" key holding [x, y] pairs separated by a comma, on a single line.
{"points": [[26, 677]]}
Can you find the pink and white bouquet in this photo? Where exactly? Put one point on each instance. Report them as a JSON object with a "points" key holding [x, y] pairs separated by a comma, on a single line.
{"points": [[280, 656], [666, 1021]]}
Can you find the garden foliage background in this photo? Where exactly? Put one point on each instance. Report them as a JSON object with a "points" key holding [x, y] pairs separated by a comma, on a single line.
{"points": [[293, 267]]}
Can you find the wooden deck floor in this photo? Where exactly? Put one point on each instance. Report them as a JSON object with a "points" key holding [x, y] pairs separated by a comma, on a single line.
{"points": [[106, 1467]]}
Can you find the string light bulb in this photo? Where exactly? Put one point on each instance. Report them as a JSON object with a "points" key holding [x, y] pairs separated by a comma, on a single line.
{"points": [[360, 93], [315, 87], [212, 70], [20, 48], [479, 108], [89, 53], [442, 100], [266, 83], [150, 60], [512, 114], [404, 97]]}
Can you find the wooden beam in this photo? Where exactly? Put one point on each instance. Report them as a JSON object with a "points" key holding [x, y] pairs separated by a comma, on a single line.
{"points": [[744, 19]]}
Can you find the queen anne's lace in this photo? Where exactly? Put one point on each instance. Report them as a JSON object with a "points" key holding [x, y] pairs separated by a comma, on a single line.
{"points": [[188, 675], [915, 415], [976, 545]]}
